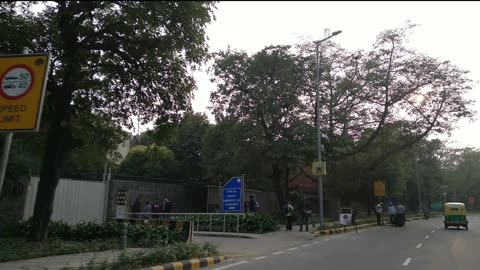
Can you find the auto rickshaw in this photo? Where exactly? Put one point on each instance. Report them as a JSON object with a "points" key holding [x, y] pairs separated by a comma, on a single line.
{"points": [[455, 215]]}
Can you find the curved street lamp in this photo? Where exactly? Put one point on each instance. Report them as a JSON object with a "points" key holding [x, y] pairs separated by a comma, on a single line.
{"points": [[319, 134]]}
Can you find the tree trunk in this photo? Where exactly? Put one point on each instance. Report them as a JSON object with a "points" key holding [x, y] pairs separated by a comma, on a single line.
{"points": [[277, 184], [56, 152], [59, 137]]}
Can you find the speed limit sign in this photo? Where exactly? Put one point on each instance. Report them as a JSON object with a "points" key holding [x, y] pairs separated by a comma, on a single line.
{"points": [[23, 79], [16, 82]]}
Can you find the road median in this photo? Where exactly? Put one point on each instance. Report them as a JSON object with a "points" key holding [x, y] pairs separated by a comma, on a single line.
{"points": [[352, 228]]}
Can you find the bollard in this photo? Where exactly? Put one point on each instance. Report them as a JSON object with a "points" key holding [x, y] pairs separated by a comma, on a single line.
{"points": [[123, 236]]}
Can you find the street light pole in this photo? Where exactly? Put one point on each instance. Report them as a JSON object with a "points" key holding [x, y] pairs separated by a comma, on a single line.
{"points": [[319, 134], [418, 188], [444, 187]]}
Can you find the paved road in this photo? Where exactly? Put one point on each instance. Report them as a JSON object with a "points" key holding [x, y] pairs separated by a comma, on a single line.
{"points": [[421, 244]]}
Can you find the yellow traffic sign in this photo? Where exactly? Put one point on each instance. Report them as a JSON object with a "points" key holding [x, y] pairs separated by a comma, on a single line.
{"points": [[379, 187], [319, 168], [22, 89]]}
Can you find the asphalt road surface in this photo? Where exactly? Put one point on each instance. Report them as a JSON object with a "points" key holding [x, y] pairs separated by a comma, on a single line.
{"points": [[421, 244]]}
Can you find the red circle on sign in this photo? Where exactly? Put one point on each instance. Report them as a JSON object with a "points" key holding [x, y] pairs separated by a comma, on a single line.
{"points": [[2, 91]]}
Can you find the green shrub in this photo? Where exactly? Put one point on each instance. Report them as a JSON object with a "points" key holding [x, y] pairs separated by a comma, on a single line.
{"points": [[166, 254], [12, 249], [258, 223], [147, 235], [141, 235]]}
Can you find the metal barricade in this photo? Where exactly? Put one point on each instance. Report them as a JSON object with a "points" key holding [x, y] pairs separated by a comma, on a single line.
{"points": [[212, 222]]}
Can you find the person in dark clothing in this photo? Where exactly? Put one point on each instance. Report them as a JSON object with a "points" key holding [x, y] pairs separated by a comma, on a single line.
{"points": [[379, 213], [167, 206], [354, 219], [136, 208], [305, 213], [157, 207], [400, 221], [252, 204]]}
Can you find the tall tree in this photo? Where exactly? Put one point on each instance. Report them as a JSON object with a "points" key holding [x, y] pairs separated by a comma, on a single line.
{"points": [[367, 90], [264, 92], [187, 144], [149, 161], [111, 58]]}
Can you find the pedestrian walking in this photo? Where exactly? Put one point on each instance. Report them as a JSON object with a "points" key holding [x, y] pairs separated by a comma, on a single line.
{"points": [[379, 212], [290, 216], [392, 212], [305, 214]]}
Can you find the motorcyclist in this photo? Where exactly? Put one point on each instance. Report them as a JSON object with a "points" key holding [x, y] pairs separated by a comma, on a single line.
{"points": [[426, 212]]}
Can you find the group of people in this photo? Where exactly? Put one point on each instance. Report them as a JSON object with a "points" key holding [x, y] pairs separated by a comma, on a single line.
{"points": [[395, 212], [148, 209], [305, 213]]}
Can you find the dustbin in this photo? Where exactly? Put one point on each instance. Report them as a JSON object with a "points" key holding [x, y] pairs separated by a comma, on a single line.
{"points": [[345, 218]]}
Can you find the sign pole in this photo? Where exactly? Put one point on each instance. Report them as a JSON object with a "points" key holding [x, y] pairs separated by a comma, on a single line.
{"points": [[220, 208], [243, 193], [6, 148]]}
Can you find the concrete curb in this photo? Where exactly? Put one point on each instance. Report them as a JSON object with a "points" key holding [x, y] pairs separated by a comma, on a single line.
{"points": [[188, 264], [344, 229], [228, 235], [352, 228]]}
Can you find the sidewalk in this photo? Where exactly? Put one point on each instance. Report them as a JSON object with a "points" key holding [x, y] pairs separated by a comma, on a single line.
{"points": [[66, 261], [261, 244]]}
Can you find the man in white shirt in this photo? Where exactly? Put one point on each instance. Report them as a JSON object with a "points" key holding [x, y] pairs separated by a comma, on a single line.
{"points": [[379, 212]]}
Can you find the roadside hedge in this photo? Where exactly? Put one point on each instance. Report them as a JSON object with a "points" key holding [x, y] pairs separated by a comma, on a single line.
{"points": [[144, 235]]}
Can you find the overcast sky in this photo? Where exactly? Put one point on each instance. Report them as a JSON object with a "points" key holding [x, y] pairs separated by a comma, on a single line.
{"points": [[448, 30]]}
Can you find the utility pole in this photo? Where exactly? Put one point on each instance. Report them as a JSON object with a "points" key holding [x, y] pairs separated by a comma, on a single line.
{"points": [[418, 187]]}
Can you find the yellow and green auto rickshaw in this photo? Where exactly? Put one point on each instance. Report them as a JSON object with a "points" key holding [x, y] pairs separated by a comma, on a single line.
{"points": [[455, 215]]}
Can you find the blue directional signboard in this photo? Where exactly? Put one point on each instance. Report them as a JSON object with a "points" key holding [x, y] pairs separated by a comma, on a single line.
{"points": [[232, 195]]}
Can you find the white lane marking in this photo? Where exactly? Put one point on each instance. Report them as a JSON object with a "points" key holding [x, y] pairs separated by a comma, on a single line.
{"points": [[306, 245], [316, 242], [433, 231], [293, 248], [419, 245], [407, 261], [259, 258], [327, 239], [428, 236], [230, 265], [279, 252]]}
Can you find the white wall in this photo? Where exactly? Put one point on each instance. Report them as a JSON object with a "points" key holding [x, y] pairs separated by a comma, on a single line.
{"points": [[75, 201]]}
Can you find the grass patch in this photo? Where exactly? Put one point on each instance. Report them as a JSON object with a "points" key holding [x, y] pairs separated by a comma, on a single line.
{"points": [[13, 249]]}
